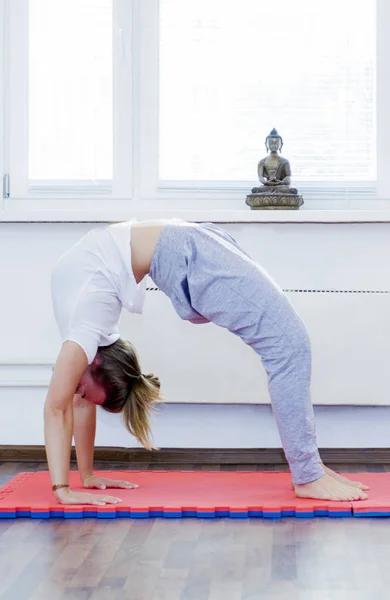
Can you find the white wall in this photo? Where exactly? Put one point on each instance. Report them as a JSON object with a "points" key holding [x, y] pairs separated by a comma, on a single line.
{"points": [[299, 256]]}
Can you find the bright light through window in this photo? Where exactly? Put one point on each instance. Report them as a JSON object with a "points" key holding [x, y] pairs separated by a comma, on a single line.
{"points": [[70, 90], [231, 71]]}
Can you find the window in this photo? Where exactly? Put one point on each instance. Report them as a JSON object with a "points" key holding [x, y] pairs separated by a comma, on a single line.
{"points": [[230, 72], [145, 104], [70, 98]]}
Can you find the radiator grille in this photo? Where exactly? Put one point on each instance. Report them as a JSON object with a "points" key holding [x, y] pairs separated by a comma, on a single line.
{"points": [[303, 291]]}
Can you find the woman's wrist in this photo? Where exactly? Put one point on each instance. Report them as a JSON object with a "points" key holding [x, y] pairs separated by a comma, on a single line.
{"points": [[62, 492], [59, 486], [85, 476]]}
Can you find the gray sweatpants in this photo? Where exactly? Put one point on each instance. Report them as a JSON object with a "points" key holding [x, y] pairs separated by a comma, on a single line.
{"points": [[208, 277]]}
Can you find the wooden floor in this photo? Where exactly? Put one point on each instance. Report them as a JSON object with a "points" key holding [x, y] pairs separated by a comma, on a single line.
{"points": [[193, 559]]}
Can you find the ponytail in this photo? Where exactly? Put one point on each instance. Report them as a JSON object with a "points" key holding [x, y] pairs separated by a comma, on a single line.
{"points": [[144, 393]]}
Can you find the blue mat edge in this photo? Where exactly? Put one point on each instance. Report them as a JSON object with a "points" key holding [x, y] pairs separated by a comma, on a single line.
{"points": [[90, 513]]}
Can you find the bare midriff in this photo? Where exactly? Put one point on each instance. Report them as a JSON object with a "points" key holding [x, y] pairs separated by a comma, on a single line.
{"points": [[144, 238]]}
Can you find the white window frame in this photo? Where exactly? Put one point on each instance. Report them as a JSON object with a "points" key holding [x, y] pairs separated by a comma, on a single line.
{"points": [[17, 98], [136, 190], [2, 104], [383, 99], [151, 189]]}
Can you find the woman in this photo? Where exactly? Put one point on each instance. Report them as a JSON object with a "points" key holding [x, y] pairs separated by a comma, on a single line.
{"points": [[208, 277]]}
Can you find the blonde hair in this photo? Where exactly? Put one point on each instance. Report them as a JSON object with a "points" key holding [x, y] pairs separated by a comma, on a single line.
{"points": [[128, 391]]}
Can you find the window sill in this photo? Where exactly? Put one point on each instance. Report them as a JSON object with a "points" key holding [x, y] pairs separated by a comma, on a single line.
{"points": [[199, 215], [220, 215], [199, 209]]}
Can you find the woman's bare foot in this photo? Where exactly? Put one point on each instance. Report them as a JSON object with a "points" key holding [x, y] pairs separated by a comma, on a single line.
{"points": [[338, 477], [329, 488]]}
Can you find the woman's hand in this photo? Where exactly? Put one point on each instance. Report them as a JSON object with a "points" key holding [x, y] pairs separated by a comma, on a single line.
{"points": [[101, 483], [66, 496]]}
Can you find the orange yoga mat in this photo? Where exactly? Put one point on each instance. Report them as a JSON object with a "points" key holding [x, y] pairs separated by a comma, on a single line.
{"points": [[190, 494]]}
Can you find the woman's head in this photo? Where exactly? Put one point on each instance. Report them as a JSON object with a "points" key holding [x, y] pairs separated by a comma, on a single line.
{"points": [[116, 369]]}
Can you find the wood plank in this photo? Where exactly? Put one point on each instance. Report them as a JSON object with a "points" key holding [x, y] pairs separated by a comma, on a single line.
{"points": [[198, 456]]}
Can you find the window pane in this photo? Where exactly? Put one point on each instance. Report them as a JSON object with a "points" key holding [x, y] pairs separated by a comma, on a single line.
{"points": [[231, 71], [70, 89]]}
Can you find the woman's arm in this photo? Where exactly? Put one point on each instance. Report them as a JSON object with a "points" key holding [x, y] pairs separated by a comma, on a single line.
{"points": [[84, 431], [58, 416], [84, 437], [58, 413]]}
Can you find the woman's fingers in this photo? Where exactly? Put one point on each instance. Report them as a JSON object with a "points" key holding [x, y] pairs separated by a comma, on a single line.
{"points": [[120, 484], [102, 483], [84, 498], [100, 499], [106, 500]]}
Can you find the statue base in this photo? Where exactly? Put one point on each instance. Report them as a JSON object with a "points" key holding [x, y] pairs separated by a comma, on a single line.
{"points": [[274, 201]]}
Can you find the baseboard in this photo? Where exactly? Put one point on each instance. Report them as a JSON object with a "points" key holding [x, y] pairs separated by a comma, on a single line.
{"points": [[203, 456]]}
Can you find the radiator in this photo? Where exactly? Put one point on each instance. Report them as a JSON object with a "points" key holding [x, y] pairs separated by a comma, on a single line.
{"points": [[350, 336]]}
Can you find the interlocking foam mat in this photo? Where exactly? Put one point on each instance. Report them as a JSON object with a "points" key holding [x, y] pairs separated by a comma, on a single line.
{"points": [[190, 494]]}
